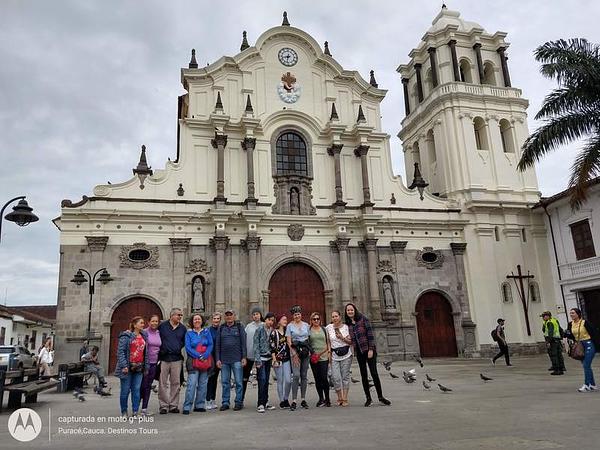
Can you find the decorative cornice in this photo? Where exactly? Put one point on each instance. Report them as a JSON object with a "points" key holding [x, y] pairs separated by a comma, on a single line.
{"points": [[97, 243], [458, 248], [66, 203], [342, 244], [370, 244], [398, 247], [180, 244], [251, 243], [219, 242]]}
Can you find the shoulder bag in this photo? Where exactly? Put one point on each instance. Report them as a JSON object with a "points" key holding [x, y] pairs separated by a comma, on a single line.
{"points": [[576, 350]]}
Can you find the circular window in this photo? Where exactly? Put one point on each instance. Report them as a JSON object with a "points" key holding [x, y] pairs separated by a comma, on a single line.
{"points": [[429, 257], [139, 255]]}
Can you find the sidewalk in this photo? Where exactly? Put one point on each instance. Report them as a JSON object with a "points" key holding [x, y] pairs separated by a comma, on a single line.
{"points": [[523, 408]]}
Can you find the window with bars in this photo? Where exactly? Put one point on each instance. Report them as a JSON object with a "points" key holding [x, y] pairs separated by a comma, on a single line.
{"points": [[291, 156], [582, 240]]}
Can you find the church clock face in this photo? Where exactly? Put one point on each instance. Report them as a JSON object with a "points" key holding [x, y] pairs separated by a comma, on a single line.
{"points": [[288, 57]]}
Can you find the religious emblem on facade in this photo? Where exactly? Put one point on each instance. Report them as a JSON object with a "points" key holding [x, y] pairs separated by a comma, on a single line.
{"points": [[385, 265], [296, 232], [198, 265], [289, 89]]}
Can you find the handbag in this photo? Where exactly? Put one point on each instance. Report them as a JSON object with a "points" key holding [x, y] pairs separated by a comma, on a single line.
{"points": [[302, 349], [202, 364], [341, 351], [136, 367], [576, 350], [314, 358]]}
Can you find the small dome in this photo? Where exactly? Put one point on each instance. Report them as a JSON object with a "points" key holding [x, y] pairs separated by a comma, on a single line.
{"points": [[447, 17]]}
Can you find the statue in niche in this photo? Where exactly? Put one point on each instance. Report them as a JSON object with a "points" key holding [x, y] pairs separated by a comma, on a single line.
{"points": [[198, 294], [294, 202], [388, 294]]}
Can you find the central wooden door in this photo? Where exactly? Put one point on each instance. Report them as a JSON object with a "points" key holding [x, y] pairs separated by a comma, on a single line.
{"points": [[435, 325], [297, 284], [121, 317]]}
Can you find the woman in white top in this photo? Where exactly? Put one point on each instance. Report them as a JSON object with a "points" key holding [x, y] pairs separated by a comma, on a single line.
{"points": [[45, 357], [341, 356]]}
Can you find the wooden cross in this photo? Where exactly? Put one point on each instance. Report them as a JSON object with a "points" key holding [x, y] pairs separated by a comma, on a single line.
{"points": [[521, 288]]}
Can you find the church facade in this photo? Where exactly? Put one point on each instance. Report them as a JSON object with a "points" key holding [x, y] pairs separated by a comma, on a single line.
{"points": [[283, 193]]}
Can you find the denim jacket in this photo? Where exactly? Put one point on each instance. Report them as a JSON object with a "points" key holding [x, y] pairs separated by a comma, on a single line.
{"points": [[125, 339], [262, 348]]}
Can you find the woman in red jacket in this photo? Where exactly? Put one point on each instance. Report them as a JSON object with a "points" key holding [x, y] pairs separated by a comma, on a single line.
{"points": [[365, 350]]}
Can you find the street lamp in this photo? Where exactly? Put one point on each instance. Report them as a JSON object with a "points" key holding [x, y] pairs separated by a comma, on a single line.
{"points": [[80, 278], [21, 213]]}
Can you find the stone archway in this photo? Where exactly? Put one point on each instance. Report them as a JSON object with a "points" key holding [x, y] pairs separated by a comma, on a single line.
{"points": [[296, 283], [435, 326], [121, 316]]}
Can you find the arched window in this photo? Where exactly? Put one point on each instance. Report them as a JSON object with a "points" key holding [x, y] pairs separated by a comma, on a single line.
{"points": [[506, 292], [465, 71], [489, 74], [508, 145], [291, 154], [534, 291], [480, 134], [431, 147]]}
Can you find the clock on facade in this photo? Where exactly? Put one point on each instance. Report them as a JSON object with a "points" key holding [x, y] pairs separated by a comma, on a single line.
{"points": [[288, 57]]}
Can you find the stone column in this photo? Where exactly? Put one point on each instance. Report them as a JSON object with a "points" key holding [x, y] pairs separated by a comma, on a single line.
{"points": [[504, 62], [252, 245], [469, 341], [342, 245], [339, 205], [433, 63], [370, 245], [406, 96], [220, 243], [361, 152], [219, 142], [419, 82], [180, 299], [248, 144], [97, 245], [477, 48], [452, 45]]}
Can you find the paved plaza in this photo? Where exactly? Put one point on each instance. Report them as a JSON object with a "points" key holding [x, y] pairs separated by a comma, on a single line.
{"points": [[523, 408]]}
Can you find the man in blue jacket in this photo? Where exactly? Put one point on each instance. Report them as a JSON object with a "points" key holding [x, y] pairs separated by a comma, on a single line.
{"points": [[231, 357]]}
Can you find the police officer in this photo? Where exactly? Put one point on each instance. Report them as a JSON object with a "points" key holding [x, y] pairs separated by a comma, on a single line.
{"points": [[553, 336]]}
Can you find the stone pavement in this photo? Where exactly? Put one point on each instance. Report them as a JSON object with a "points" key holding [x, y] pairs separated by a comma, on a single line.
{"points": [[523, 408]]}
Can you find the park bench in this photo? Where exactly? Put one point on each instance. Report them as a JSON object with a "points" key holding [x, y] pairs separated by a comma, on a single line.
{"points": [[72, 376], [22, 382]]}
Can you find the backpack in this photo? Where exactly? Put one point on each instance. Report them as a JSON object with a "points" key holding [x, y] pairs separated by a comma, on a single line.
{"points": [[494, 334]]}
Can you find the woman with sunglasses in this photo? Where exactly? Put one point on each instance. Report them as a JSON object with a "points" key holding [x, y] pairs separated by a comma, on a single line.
{"points": [[319, 359], [297, 333], [363, 339]]}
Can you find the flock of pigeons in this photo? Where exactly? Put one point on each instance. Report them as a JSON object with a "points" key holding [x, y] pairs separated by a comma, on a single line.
{"points": [[102, 392], [411, 376]]}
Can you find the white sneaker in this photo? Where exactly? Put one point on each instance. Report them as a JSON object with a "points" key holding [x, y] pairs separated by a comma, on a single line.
{"points": [[592, 387], [209, 405], [270, 407], [584, 388], [260, 409]]}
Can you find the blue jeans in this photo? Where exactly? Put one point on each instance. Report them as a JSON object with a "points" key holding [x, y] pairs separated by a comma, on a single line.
{"points": [[263, 382], [590, 352], [131, 383], [196, 385], [238, 375]]}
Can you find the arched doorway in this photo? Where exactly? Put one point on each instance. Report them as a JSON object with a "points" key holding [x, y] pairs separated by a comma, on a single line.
{"points": [[296, 284], [136, 306], [435, 326]]}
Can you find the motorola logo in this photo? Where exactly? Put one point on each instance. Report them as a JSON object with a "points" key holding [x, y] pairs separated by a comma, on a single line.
{"points": [[24, 424]]}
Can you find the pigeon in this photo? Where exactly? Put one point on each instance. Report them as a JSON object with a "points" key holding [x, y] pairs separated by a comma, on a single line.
{"points": [[484, 378], [418, 360], [80, 397], [429, 378], [426, 385], [354, 380], [394, 375], [444, 388], [155, 388], [409, 378], [387, 365]]}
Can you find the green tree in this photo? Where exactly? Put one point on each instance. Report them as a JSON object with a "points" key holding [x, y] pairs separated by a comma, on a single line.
{"points": [[570, 112]]}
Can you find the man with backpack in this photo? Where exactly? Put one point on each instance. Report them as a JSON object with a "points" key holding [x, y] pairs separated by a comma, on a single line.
{"points": [[553, 334], [231, 357], [499, 337]]}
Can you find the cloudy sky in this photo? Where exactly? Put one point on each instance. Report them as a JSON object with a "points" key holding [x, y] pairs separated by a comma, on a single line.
{"points": [[84, 83]]}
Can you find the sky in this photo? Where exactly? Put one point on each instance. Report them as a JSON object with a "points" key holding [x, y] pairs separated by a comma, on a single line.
{"points": [[83, 84]]}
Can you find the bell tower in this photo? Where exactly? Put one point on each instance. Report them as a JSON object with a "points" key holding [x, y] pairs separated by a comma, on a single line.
{"points": [[465, 123]]}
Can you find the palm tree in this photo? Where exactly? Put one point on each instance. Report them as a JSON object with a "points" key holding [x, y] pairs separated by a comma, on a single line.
{"points": [[570, 112]]}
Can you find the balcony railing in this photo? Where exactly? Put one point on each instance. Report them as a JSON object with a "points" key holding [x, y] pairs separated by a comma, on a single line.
{"points": [[581, 269]]}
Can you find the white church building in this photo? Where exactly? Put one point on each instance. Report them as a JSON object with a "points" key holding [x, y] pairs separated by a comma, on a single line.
{"points": [[282, 192]]}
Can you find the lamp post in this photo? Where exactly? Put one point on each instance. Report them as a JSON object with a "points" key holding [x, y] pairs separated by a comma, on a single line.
{"points": [[80, 278], [21, 213]]}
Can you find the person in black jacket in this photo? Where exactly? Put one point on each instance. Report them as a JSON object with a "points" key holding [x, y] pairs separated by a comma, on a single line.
{"points": [[582, 331]]}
